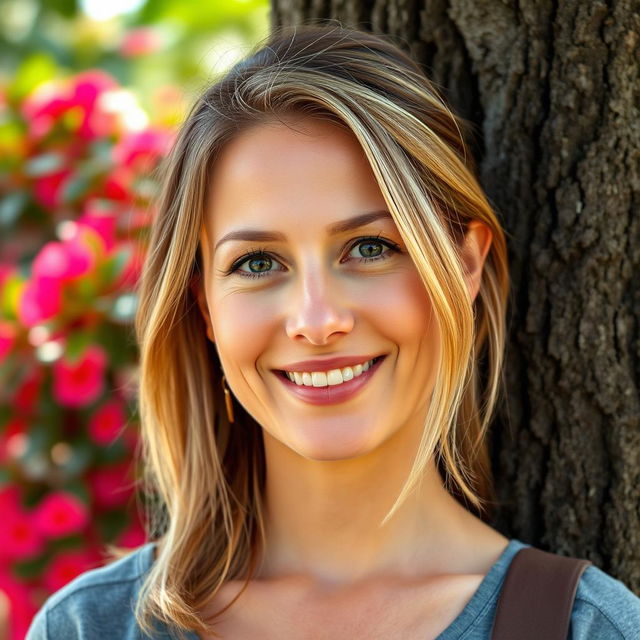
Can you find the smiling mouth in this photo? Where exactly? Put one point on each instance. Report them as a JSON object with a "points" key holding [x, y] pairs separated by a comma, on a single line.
{"points": [[374, 361], [335, 393]]}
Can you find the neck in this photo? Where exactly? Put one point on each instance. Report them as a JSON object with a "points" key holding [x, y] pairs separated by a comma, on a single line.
{"points": [[323, 518]]}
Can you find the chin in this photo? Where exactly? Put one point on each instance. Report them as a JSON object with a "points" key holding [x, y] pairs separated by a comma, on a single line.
{"points": [[330, 446]]}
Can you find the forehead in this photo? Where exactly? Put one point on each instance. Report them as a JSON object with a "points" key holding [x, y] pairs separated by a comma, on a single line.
{"points": [[279, 175]]}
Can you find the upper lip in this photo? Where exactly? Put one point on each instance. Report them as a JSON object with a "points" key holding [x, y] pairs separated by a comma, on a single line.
{"points": [[328, 364]]}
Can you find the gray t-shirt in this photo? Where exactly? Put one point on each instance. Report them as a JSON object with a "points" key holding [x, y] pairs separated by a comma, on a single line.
{"points": [[99, 605]]}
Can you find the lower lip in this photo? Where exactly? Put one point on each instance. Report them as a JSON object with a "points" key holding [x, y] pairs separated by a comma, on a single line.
{"points": [[331, 394]]}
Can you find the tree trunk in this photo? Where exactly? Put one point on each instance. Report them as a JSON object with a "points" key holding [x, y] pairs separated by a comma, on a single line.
{"points": [[553, 91]]}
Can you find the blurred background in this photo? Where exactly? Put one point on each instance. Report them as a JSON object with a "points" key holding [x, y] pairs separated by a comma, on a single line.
{"points": [[91, 92]]}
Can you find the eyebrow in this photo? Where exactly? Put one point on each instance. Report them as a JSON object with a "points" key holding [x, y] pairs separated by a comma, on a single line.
{"points": [[256, 235]]}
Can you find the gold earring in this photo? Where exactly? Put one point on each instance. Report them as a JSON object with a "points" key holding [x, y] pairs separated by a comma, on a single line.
{"points": [[227, 400]]}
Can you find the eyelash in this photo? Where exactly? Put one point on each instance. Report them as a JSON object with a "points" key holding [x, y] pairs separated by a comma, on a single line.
{"points": [[235, 267]]}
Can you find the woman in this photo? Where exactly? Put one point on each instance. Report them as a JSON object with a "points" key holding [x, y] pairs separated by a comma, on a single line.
{"points": [[324, 277]]}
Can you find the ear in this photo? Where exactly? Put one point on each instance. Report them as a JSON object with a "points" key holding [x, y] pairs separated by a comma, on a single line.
{"points": [[477, 242], [197, 288]]}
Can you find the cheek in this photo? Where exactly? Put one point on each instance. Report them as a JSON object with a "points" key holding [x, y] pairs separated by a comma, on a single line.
{"points": [[402, 307], [243, 328]]}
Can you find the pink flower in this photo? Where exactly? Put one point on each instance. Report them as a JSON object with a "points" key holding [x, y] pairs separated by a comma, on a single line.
{"points": [[111, 486], [47, 189], [66, 566], [60, 514], [63, 260], [75, 101], [7, 338], [142, 150], [117, 185], [43, 108], [107, 422], [21, 607], [9, 498], [89, 85], [88, 88], [102, 222], [139, 42], [79, 383], [40, 301], [19, 538]]}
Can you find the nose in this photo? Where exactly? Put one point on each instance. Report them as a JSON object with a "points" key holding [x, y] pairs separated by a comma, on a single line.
{"points": [[318, 311]]}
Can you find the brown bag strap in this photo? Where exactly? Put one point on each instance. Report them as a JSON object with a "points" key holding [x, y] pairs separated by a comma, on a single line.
{"points": [[537, 596]]}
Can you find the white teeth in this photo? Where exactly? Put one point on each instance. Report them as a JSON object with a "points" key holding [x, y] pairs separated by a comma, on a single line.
{"points": [[347, 374], [328, 378], [319, 379]]}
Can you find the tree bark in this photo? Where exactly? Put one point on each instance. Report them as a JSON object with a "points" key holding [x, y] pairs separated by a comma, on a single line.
{"points": [[552, 90]]}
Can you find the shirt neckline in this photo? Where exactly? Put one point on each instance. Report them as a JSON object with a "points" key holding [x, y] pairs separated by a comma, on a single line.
{"points": [[484, 594], [478, 603]]}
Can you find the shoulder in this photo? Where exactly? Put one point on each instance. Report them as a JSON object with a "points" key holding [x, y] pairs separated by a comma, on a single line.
{"points": [[604, 609], [97, 604]]}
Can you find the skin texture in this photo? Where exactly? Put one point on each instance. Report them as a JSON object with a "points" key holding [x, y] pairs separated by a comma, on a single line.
{"points": [[333, 471]]}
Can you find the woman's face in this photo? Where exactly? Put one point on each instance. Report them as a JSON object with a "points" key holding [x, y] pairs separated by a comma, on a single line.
{"points": [[314, 291]]}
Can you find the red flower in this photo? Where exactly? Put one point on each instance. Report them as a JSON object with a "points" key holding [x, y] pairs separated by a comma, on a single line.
{"points": [[76, 384], [107, 422], [47, 189], [60, 514], [27, 392], [111, 486], [7, 337], [103, 223], [9, 498], [21, 607], [63, 260], [117, 185], [141, 150], [66, 566], [19, 538], [133, 536], [40, 301], [76, 101]]}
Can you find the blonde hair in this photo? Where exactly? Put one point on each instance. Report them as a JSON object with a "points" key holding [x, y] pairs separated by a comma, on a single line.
{"points": [[208, 475]]}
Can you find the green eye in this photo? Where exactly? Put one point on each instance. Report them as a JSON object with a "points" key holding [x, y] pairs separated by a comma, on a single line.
{"points": [[369, 249], [372, 249], [259, 262]]}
